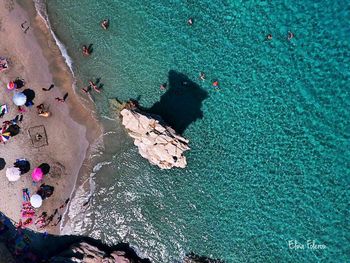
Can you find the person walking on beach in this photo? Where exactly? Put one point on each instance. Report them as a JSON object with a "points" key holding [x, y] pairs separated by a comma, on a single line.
{"points": [[50, 88], [65, 203], [63, 99]]}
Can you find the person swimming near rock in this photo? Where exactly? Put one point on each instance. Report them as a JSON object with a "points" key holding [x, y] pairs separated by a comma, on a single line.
{"points": [[163, 86], [202, 75], [290, 35], [105, 24], [190, 21], [216, 85]]}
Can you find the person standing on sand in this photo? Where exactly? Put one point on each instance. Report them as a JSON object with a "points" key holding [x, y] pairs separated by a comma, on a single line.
{"points": [[63, 99], [65, 203], [50, 88]]}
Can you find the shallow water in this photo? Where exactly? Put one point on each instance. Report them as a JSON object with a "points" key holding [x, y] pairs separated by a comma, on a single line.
{"points": [[270, 158]]}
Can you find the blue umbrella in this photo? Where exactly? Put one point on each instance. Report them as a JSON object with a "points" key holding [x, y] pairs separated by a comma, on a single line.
{"points": [[19, 99]]}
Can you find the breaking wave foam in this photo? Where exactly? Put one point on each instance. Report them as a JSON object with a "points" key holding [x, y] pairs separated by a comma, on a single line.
{"points": [[41, 9]]}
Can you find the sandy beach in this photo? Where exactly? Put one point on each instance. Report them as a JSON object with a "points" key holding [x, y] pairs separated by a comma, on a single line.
{"points": [[34, 57]]}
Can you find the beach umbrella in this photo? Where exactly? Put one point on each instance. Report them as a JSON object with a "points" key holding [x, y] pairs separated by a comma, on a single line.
{"points": [[37, 175], [36, 201], [45, 168], [2, 163], [19, 99], [12, 130], [23, 165], [13, 174], [11, 85], [5, 136]]}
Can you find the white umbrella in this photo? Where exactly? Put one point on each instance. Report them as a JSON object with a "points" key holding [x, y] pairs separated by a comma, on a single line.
{"points": [[19, 99], [36, 200], [13, 174]]}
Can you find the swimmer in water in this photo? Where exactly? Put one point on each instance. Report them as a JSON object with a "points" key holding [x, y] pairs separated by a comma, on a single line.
{"points": [[105, 24], [216, 85], [290, 35], [86, 51], [269, 37], [190, 21], [163, 86], [93, 85], [202, 75]]}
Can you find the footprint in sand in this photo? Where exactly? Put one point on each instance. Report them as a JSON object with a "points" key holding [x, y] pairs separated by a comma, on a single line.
{"points": [[10, 5]]}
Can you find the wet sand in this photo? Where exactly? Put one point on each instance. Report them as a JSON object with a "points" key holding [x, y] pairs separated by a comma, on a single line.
{"points": [[35, 57]]}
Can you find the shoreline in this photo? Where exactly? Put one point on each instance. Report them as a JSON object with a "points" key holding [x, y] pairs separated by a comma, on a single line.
{"points": [[83, 115], [72, 121]]}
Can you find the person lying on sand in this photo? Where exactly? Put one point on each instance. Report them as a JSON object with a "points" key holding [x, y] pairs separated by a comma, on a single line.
{"points": [[42, 111]]}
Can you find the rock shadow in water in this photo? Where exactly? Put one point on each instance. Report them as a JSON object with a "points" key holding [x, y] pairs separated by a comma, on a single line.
{"points": [[181, 103]]}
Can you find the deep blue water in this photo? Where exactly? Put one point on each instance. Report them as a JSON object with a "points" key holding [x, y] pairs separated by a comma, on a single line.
{"points": [[270, 159]]}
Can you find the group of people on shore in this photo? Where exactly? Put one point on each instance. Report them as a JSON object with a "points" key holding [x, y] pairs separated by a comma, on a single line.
{"points": [[10, 128]]}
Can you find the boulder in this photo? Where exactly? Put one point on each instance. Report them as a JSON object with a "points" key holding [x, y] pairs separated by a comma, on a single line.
{"points": [[155, 140]]}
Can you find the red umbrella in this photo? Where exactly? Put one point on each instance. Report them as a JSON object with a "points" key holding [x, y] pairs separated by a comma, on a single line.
{"points": [[11, 85]]}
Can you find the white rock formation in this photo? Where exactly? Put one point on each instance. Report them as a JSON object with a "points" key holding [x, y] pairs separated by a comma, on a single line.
{"points": [[156, 141]]}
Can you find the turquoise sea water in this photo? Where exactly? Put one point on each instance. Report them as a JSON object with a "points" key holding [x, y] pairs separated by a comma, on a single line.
{"points": [[270, 159]]}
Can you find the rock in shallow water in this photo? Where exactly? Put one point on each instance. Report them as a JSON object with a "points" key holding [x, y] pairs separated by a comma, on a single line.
{"points": [[156, 141]]}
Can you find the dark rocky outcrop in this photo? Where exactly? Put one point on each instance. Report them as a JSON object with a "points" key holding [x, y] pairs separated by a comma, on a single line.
{"points": [[26, 246], [193, 258]]}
